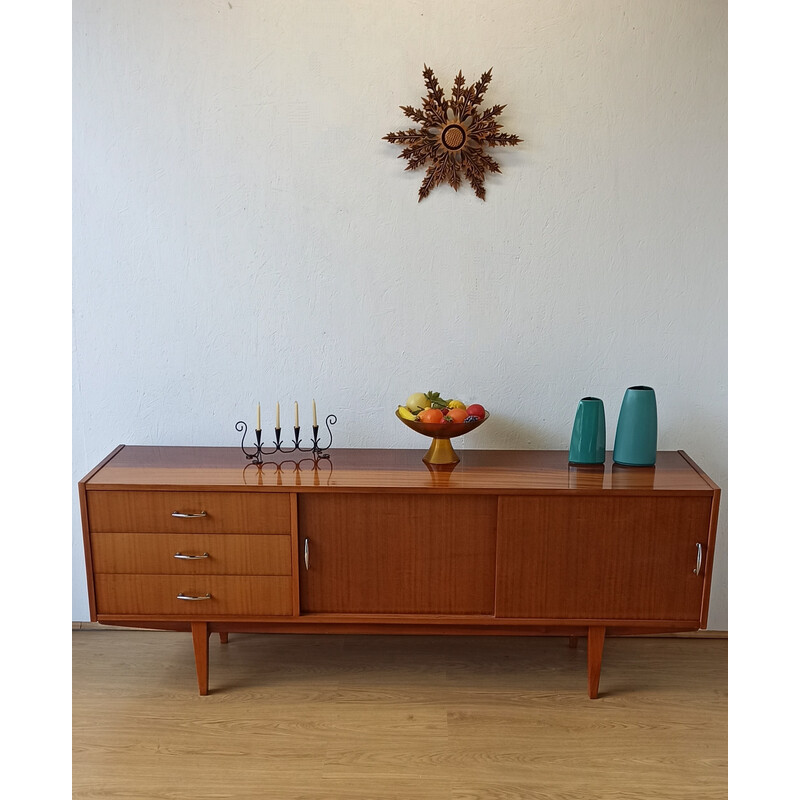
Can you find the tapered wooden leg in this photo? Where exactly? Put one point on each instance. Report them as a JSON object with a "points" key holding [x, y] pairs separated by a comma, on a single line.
{"points": [[573, 642], [200, 641], [596, 638], [223, 637]]}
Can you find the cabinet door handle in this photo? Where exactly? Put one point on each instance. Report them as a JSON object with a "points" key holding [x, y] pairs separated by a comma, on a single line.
{"points": [[190, 557], [696, 570], [182, 596], [305, 553], [181, 515]]}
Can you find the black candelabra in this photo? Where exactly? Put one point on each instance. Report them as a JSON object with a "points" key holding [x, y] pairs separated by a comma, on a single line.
{"points": [[258, 450]]}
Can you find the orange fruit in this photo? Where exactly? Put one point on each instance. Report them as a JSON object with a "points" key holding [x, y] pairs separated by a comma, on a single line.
{"points": [[431, 415], [457, 414]]}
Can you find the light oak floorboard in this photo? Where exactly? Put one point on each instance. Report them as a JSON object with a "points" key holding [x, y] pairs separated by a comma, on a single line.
{"points": [[316, 717]]}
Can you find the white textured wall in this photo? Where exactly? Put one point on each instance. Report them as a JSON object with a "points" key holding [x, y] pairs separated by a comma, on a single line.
{"points": [[242, 232]]}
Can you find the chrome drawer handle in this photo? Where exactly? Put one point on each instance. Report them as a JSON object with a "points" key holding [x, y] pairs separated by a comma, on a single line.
{"points": [[183, 596], [305, 554], [190, 557], [188, 516], [696, 570]]}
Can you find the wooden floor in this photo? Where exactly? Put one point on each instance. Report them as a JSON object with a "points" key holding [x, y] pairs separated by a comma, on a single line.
{"points": [[397, 717]]}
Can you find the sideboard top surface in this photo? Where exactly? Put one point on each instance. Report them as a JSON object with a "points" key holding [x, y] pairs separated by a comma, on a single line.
{"points": [[398, 470]]}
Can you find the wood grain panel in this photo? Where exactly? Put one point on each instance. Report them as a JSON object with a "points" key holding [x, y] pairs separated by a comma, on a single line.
{"points": [[228, 554], [225, 512], [606, 558], [157, 594], [396, 470], [412, 554]]}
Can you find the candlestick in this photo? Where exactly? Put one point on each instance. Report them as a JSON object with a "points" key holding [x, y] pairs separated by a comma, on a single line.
{"points": [[296, 417], [258, 418], [314, 412], [260, 449]]}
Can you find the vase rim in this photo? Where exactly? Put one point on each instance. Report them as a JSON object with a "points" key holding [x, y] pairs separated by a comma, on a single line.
{"points": [[640, 388], [591, 398]]}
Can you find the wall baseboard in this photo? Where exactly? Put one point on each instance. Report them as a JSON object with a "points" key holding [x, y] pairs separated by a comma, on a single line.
{"points": [[96, 626]]}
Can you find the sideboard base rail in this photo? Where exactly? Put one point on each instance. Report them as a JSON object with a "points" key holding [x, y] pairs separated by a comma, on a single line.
{"points": [[594, 634], [395, 626]]}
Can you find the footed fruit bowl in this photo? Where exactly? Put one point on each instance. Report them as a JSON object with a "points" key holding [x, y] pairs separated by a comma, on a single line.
{"points": [[441, 450]]}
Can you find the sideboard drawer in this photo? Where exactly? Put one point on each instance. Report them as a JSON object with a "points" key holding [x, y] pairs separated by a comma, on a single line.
{"points": [[188, 512], [191, 553], [159, 594]]}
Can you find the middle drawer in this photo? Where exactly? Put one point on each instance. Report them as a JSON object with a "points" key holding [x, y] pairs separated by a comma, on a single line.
{"points": [[191, 554]]}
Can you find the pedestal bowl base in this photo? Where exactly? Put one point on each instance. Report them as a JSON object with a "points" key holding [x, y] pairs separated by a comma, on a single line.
{"points": [[441, 452]]}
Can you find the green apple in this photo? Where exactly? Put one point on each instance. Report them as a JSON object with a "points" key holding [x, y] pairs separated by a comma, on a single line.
{"points": [[416, 402]]}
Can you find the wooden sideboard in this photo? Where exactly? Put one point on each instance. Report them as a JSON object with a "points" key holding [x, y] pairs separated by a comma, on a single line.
{"points": [[375, 541]]}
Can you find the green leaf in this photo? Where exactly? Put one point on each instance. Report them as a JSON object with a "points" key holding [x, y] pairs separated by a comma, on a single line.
{"points": [[435, 399]]}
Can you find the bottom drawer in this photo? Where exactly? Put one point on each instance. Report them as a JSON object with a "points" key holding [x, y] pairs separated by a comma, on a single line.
{"points": [[228, 594]]}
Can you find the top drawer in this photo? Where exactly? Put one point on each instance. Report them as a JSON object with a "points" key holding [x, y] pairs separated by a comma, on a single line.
{"points": [[204, 512]]}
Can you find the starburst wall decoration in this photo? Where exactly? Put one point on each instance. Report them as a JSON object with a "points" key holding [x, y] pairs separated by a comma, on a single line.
{"points": [[453, 135]]}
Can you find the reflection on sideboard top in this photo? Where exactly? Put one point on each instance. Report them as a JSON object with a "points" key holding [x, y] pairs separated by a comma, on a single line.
{"points": [[512, 471]]}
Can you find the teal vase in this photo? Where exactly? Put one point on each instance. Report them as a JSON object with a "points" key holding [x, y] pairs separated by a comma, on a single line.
{"points": [[637, 428], [588, 442]]}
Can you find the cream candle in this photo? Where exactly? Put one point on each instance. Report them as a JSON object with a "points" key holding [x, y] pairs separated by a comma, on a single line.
{"points": [[296, 416], [314, 413], [258, 418], [277, 415]]}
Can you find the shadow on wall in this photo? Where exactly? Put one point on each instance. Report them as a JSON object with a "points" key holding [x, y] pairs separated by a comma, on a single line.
{"points": [[505, 433]]}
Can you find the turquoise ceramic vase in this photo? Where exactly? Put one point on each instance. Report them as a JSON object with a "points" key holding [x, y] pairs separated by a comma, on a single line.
{"points": [[588, 443], [637, 428]]}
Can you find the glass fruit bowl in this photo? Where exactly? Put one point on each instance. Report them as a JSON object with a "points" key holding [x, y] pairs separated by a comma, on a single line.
{"points": [[441, 450]]}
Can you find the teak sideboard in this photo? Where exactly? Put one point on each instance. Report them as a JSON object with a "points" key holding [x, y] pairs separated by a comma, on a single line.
{"points": [[197, 539]]}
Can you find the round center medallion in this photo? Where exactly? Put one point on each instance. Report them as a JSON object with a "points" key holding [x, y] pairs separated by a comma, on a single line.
{"points": [[453, 137]]}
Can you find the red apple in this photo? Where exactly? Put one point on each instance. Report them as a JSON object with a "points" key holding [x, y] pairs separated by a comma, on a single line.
{"points": [[476, 410]]}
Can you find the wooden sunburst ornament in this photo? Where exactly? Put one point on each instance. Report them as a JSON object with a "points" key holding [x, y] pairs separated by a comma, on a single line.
{"points": [[452, 135]]}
